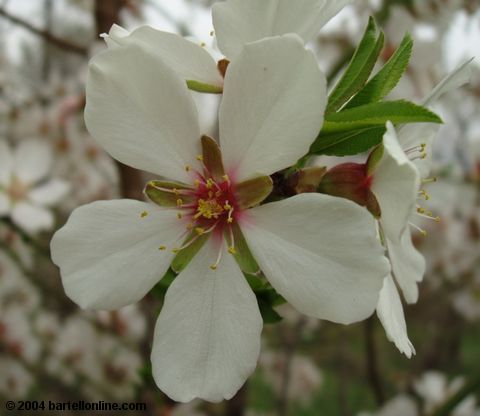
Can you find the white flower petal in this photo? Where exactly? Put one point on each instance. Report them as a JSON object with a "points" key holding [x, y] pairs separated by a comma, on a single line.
{"points": [[187, 59], [33, 161], [5, 204], [109, 255], [414, 135], [396, 182], [115, 36], [390, 313], [49, 193], [272, 107], [238, 22], [458, 77], [408, 265], [207, 338], [141, 112], [321, 253], [6, 163], [32, 218]]}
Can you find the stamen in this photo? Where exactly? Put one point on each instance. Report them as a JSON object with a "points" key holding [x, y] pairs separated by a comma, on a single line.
{"points": [[231, 249], [421, 230], [429, 180], [200, 158], [187, 244], [162, 248], [179, 203], [188, 168], [214, 266], [179, 215], [144, 214], [424, 193]]}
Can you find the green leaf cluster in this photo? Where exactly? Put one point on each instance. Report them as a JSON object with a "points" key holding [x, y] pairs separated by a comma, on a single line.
{"points": [[356, 115]]}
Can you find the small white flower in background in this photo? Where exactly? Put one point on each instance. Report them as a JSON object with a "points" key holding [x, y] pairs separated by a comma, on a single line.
{"points": [[319, 252], [435, 389], [27, 193], [16, 380], [401, 405], [305, 377]]}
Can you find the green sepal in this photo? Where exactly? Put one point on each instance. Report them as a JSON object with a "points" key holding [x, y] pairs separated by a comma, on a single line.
{"points": [[252, 192], [267, 299], [359, 68], [374, 159], [160, 289], [162, 193], [243, 255], [186, 255], [212, 157], [387, 78], [202, 87]]}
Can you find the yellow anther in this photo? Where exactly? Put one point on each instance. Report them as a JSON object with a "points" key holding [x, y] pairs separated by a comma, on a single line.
{"points": [[196, 182], [143, 214], [175, 191], [230, 220], [190, 226], [437, 219], [175, 250], [227, 206], [423, 156], [423, 232], [429, 180], [226, 178], [179, 215], [200, 158], [188, 168], [203, 44], [420, 210], [179, 202], [162, 248], [199, 230], [210, 183], [232, 250], [214, 266]]}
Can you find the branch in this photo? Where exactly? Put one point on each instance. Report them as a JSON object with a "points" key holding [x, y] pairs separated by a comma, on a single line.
{"points": [[372, 365], [45, 34]]}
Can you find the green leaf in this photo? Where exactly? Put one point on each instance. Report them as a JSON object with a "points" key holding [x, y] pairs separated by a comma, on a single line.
{"points": [[348, 143], [202, 87], [387, 78], [377, 114], [359, 68]]}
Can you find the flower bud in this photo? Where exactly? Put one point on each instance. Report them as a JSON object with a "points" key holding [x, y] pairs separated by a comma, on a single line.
{"points": [[351, 181]]}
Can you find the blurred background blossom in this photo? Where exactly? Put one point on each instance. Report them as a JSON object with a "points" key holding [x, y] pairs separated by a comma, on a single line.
{"points": [[51, 350]]}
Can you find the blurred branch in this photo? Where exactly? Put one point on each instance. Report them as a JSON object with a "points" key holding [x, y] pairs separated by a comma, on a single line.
{"points": [[371, 359], [446, 409], [45, 34], [27, 238], [291, 344]]}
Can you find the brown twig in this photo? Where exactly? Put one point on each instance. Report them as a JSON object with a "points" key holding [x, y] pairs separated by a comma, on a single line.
{"points": [[45, 34], [372, 365]]}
